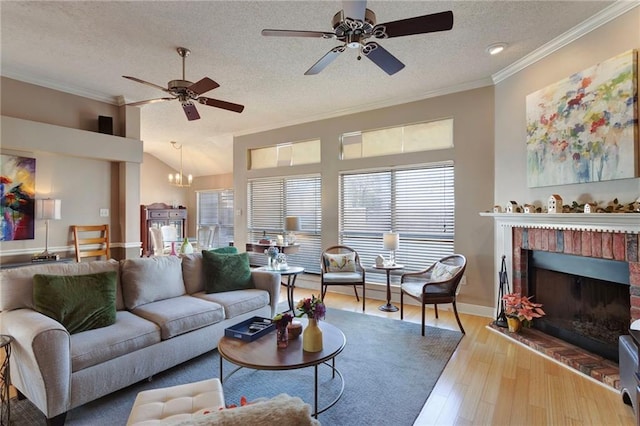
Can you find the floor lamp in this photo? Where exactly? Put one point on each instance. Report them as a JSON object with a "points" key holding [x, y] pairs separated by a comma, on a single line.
{"points": [[47, 209]]}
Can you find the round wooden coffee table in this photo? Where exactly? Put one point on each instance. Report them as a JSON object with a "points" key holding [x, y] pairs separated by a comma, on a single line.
{"points": [[262, 354]]}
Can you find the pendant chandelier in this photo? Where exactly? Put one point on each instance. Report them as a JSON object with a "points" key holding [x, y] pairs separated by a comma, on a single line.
{"points": [[177, 179]]}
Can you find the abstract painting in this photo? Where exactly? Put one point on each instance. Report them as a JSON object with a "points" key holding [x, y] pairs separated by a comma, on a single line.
{"points": [[17, 197], [584, 128]]}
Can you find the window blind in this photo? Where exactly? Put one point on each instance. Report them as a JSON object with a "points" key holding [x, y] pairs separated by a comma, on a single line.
{"points": [[270, 200], [216, 208], [418, 203]]}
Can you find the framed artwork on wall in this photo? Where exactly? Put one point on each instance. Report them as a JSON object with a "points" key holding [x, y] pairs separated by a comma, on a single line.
{"points": [[584, 128], [17, 197]]}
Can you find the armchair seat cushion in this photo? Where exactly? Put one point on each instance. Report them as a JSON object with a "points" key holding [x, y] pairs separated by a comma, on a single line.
{"points": [[341, 277]]}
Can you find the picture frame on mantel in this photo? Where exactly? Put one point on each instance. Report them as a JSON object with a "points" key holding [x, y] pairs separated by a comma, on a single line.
{"points": [[584, 128]]}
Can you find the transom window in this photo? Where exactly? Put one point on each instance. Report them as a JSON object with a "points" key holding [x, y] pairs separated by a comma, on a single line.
{"points": [[285, 155]]}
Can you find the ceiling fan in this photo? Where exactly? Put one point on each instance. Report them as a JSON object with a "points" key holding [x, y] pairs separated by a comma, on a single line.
{"points": [[354, 24], [186, 92]]}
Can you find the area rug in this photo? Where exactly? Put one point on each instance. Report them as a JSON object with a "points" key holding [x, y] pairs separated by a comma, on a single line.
{"points": [[389, 371]]}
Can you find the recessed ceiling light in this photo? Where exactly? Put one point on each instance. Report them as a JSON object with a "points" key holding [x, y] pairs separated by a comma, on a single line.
{"points": [[496, 48]]}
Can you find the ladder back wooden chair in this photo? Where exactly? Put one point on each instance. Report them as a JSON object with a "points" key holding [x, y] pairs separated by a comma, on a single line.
{"points": [[91, 241]]}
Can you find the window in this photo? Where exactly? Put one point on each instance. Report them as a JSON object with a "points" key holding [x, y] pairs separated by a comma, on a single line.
{"points": [[397, 140], [285, 155], [270, 200], [418, 203], [216, 208]]}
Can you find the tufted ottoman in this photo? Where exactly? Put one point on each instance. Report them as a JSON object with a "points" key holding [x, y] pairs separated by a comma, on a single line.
{"points": [[177, 403]]}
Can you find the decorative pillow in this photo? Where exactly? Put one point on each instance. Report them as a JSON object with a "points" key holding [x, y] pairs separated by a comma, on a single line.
{"points": [[78, 302], [340, 262], [226, 272], [443, 272], [225, 250]]}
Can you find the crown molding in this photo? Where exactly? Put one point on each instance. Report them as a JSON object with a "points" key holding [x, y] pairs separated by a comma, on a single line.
{"points": [[604, 16]]}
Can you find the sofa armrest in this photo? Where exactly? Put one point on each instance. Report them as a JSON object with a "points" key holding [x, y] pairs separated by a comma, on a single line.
{"points": [[270, 282], [40, 359]]}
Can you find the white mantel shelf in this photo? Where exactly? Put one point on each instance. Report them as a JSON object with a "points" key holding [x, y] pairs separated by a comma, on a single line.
{"points": [[595, 222]]}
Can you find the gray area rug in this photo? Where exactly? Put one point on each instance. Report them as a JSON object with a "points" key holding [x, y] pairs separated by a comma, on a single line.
{"points": [[388, 367]]}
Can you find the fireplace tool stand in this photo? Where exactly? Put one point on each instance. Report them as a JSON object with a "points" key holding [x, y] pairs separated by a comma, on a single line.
{"points": [[501, 318]]}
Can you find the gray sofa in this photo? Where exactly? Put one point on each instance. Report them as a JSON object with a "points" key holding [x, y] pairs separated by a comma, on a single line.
{"points": [[163, 318]]}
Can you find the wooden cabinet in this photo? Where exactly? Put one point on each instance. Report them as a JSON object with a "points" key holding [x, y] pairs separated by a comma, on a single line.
{"points": [[157, 215]]}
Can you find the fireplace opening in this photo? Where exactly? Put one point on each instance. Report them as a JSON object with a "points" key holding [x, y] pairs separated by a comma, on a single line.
{"points": [[586, 300]]}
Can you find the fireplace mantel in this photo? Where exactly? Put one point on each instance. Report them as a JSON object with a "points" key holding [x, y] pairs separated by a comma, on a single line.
{"points": [[594, 222]]}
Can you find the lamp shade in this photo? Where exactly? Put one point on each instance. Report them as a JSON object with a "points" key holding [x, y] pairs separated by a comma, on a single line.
{"points": [[391, 240], [48, 208], [292, 223]]}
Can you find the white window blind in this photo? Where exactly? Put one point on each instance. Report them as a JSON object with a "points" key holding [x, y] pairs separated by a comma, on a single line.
{"points": [[216, 208], [418, 203], [270, 200]]}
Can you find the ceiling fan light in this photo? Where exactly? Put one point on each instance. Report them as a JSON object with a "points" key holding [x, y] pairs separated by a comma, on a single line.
{"points": [[494, 49]]}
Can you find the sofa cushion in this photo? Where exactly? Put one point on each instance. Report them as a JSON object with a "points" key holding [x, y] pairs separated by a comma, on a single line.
{"points": [[78, 302], [16, 290], [192, 269], [149, 279], [181, 314], [237, 302], [226, 272], [128, 334], [340, 262]]}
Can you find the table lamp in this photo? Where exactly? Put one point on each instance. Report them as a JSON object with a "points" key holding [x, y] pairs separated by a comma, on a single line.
{"points": [[291, 224], [391, 241], [47, 209]]}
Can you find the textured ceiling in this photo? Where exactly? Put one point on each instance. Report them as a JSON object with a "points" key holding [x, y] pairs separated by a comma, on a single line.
{"points": [[86, 47]]}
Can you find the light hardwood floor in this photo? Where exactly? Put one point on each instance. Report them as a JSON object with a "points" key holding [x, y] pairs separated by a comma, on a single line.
{"points": [[491, 380]]}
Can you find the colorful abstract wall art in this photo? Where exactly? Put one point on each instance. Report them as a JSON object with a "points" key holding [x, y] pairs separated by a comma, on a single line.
{"points": [[17, 197], [585, 128]]}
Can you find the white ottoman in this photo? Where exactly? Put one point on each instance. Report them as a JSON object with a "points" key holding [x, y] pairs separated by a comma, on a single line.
{"points": [[177, 403]]}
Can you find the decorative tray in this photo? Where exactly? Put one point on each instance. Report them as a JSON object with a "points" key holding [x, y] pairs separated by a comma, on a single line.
{"points": [[251, 329]]}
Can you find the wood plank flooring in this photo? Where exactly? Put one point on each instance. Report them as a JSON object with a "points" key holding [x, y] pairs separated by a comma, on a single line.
{"points": [[491, 380]]}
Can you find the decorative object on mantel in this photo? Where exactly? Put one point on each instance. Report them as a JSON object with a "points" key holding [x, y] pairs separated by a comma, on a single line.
{"points": [[497, 209], [554, 204], [513, 207], [520, 311], [582, 128], [529, 208], [613, 206], [501, 317], [590, 207]]}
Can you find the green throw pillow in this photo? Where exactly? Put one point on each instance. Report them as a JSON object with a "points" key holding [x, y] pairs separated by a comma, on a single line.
{"points": [[78, 302], [226, 272], [225, 250]]}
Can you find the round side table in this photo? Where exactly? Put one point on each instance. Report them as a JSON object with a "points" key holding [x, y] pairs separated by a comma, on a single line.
{"points": [[5, 380]]}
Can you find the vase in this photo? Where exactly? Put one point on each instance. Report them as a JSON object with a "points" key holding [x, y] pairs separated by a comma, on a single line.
{"points": [[186, 247], [312, 337], [514, 324], [282, 337]]}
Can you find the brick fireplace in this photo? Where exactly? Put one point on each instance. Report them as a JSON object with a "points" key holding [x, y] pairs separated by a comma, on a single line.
{"points": [[594, 236]]}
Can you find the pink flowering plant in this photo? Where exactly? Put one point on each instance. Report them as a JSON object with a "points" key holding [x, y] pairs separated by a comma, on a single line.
{"points": [[521, 307], [311, 307]]}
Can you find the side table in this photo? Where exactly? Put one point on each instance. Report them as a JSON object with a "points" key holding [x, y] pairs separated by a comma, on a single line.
{"points": [[5, 378], [291, 275], [388, 307]]}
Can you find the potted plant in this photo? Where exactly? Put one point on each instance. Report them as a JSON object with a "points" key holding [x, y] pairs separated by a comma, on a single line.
{"points": [[520, 311]]}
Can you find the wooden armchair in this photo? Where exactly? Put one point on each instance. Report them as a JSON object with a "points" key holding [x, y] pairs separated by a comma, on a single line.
{"points": [[91, 241], [340, 265], [434, 285]]}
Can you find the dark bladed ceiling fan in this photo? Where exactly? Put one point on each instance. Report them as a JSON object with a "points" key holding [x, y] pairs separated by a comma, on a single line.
{"points": [[187, 92], [354, 24]]}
